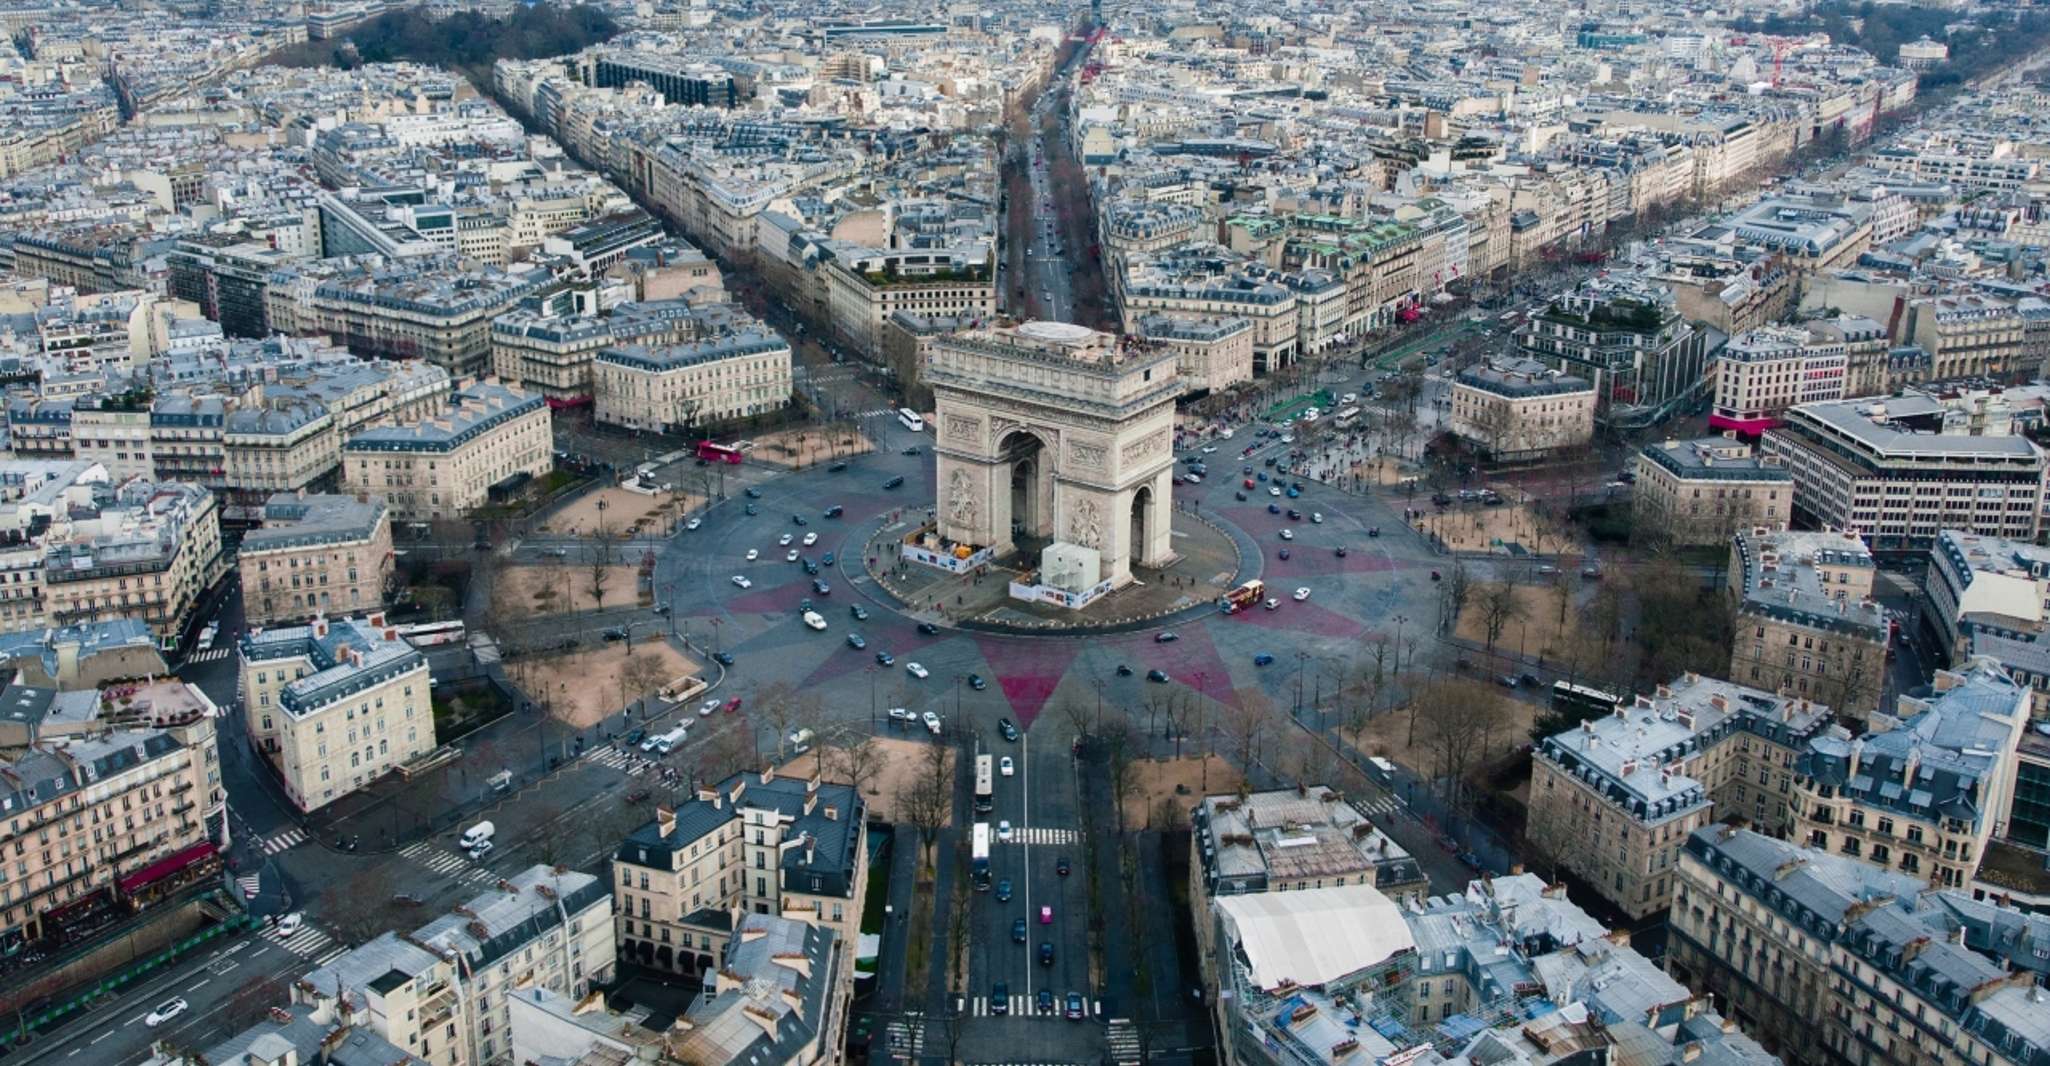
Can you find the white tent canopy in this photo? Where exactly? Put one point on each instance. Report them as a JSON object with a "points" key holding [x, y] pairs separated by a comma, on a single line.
{"points": [[1315, 935]]}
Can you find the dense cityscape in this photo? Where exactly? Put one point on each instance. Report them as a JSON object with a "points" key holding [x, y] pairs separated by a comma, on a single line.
{"points": [[740, 533]]}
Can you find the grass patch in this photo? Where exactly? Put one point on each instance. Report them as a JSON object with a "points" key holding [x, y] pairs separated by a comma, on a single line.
{"points": [[878, 893]]}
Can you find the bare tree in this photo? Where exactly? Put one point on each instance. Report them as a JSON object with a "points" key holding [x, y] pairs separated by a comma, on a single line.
{"points": [[639, 675], [1245, 722], [1459, 720], [860, 761], [600, 571], [927, 800], [781, 708], [1123, 748], [1562, 591], [1499, 606], [729, 752], [1076, 713], [1458, 590]]}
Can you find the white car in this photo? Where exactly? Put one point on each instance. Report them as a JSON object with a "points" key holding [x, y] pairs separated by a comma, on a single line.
{"points": [[482, 849], [931, 720], [753, 554], [917, 671], [742, 581], [790, 556], [810, 539], [1302, 594], [1348, 398], [1209, 449], [1273, 604], [1193, 479], [784, 541], [1004, 830], [815, 621], [1226, 434], [1317, 517], [692, 524], [167, 1010], [706, 708], [1288, 438], [1274, 491], [1288, 534], [290, 923], [1006, 767]]}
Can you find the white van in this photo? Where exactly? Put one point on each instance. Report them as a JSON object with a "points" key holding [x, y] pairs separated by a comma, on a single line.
{"points": [[812, 619], [477, 834], [663, 744], [800, 741]]}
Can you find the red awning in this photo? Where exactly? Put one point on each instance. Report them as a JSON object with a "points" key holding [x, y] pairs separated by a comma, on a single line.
{"points": [[165, 867]]}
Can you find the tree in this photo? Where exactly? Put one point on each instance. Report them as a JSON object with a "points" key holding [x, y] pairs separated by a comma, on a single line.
{"points": [[1076, 713], [860, 761], [1123, 748], [778, 701], [254, 998], [927, 799], [1499, 606], [1458, 590], [600, 571], [361, 909], [1562, 591], [1462, 715], [639, 675], [1245, 722]]}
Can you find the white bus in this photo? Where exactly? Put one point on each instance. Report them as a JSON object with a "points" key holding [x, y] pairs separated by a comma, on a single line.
{"points": [[910, 420], [980, 857], [1347, 417], [428, 634], [985, 784]]}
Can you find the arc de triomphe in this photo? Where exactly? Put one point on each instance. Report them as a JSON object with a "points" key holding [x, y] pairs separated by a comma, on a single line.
{"points": [[1057, 432]]}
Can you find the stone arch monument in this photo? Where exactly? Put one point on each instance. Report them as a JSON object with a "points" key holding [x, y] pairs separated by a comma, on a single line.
{"points": [[1056, 433]]}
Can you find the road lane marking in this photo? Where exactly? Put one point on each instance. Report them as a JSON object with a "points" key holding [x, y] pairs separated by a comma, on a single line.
{"points": [[102, 1036], [197, 985]]}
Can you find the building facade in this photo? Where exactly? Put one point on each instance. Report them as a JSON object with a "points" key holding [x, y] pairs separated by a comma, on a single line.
{"points": [[1807, 622], [1704, 491], [679, 387], [1518, 409], [316, 555], [490, 436]]}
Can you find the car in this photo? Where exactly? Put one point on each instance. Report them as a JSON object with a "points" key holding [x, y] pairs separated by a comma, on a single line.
{"points": [[1044, 1000], [1124, 671], [1248, 471], [1282, 554], [1288, 534], [837, 467], [615, 633], [1273, 508], [1263, 659], [290, 923], [723, 658], [167, 1010], [1294, 515], [1240, 496], [1074, 1010], [917, 671], [693, 524], [1158, 677], [1018, 930], [826, 560], [482, 849], [1373, 531], [1000, 998], [1248, 483], [822, 588], [1004, 830], [1317, 518], [709, 707], [859, 612], [884, 658], [855, 641], [753, 493], [1006, 767], [1339, 551], [931, 720], [810, 539], [1060, 866], [790, 556], [1262, 475], [557, 553], [834, 511], [1273, 490], [1509, 680], [901, 714], [1004, 891], [732, 705], [1009, 731], [753, 510], [1288, 438], [913, 450], [742, 581], [784, 540], [1210, 449], [799, 520], [1193, 479], [810, 567], [661, 609], [1046, 953], [1272, 604], [928, 628], [1045, 914], [976, 682], [753, 554], [1294, 493]]}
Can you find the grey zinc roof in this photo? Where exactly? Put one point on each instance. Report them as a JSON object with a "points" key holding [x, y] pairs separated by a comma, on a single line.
{"points": [[501, 922], [294, 521]]}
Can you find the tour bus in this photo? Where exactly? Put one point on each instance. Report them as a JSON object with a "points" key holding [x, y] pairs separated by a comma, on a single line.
{"points": [[985, 784], [980, 869], [1582, 701], [1346, 417], [718, 453], [910, 420], [1244, 596]]}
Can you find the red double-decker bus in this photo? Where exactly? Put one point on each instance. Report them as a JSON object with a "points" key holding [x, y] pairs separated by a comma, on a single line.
{"points": [[718, 453], [1243, 597]]}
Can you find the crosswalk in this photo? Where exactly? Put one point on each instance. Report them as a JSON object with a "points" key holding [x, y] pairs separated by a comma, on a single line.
{"points": [[1123, 1039], [250, 884], [1021, 1006], [1385, 807], [208, 655], [632, 763], [877, 413], [309, 941], [446, 863], [906, 1041], [285, 841], [1036, 835]]}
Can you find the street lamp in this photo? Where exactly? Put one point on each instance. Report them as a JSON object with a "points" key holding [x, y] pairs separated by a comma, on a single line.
{"points": [[1400, 619]]}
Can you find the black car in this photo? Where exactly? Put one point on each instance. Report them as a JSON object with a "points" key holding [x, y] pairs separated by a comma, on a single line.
{"points": [[753, 510], [928, 628], [836, 468], [1341, 551], [1283, 553], [724, 658], [1045, 1000], [1060, 866], [799, 520], [859, 612], [634, 737], [1000, 998], [1168, 637], [1124, 671], [1046, 953], [1018, 930], [1004, 891], [1074, 1011], [1158, 677], [976, 682], [661, 608], [1294, 515], [614, 634], [913, 450], [822, 588], [811, 568], [854, 641], [753, 493], [1009, 731], [835, 511], [1241, 496], [894, 483]]}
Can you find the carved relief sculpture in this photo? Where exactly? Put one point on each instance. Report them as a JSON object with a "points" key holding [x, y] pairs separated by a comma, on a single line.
{"points": [[1085, 524], [961, 499], [1088, 456], [963, 427]]}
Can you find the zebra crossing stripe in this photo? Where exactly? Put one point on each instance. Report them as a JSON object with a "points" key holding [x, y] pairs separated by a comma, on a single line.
{"points": [[331, 956], [251, 885], [284, 841]]}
